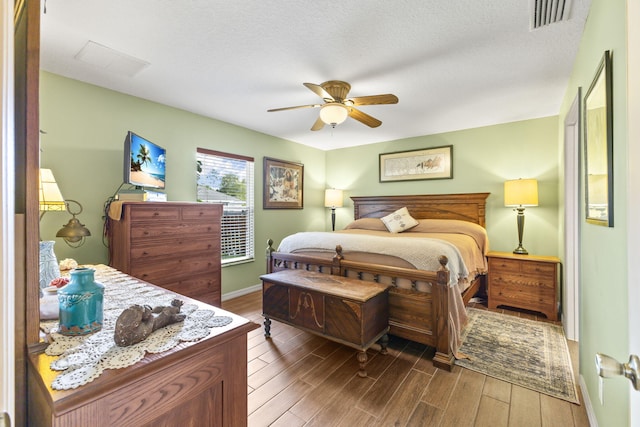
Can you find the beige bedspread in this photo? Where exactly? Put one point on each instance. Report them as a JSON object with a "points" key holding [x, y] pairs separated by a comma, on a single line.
{"points": [[465, 245]]}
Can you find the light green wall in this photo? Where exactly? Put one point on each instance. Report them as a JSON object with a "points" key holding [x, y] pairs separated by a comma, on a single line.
{"points": [[86, 126], [83, 146], [603, 283], [483, 158]]}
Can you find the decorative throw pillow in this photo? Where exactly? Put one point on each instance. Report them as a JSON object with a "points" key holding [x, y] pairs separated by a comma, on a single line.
{"points": [[399, 221]]}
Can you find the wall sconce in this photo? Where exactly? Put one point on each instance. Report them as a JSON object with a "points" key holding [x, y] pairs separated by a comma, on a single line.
{"points": [[521, 193], [50, 199], [73, 232], [333, 200], [333, 113]]}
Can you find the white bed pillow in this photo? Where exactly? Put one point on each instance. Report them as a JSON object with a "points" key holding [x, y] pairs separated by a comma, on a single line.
{"points": [[399, 221]]}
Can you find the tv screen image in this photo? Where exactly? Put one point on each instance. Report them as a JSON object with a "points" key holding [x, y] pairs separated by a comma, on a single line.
{"points": [[144, 162]]}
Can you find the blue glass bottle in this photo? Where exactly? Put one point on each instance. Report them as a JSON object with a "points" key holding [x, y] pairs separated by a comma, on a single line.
{"points": [[81, 303]]}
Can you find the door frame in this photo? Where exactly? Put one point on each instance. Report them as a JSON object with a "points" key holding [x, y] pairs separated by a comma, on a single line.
{"points": [[633, 194], [7, 210], [571, 272]]}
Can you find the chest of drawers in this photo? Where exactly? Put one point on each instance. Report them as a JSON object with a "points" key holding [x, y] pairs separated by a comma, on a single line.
{"points": [[175, 245], [524, 281]]}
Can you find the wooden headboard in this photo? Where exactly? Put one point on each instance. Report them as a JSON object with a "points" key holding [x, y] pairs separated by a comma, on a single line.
{"points": [[465, 207]]}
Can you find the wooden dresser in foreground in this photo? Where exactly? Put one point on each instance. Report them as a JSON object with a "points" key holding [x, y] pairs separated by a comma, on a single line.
{"points": [[195, 383], [175, 245], [524, 281]]}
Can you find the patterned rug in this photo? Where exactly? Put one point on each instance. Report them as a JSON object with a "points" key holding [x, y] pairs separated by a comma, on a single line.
{"points": [[524, 352]]}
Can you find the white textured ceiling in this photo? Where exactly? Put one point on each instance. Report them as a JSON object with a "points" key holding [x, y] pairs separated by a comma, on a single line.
{"points": [[454, 64]]}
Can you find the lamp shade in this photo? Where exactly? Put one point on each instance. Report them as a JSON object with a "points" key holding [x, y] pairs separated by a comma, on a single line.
{"points": [[521, 192], [73, 231], [333, 198], [49, 194], [333, 113]]}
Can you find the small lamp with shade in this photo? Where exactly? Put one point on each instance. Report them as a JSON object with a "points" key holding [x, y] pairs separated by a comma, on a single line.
{"points": [[333, 200], [519, 193]]}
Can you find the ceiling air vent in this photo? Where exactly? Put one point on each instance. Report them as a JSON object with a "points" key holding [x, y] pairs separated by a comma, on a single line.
{"points": [[545, 12], [111, 60]]}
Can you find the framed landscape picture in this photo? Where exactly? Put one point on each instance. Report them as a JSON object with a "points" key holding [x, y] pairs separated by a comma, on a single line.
{"points": [[283, 184], [429, 163]]}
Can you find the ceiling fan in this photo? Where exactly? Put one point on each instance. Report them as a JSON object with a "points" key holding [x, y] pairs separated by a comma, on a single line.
{"points": [[337, 107]]}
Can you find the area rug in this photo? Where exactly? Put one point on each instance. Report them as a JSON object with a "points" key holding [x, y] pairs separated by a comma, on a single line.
{"points": [[524, 352]]}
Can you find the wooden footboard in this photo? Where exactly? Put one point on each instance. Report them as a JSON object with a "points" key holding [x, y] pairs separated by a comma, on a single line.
{"points": [[417, 316]]}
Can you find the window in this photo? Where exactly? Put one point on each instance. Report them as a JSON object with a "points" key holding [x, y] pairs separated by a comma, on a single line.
{"points": [[228, 179]]}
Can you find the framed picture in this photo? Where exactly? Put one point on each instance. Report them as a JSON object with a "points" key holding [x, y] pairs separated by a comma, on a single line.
{"points": [[283, 184], [598, 146], [429, 163]]}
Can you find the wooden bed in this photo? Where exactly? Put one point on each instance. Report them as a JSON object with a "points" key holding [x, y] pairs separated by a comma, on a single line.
{"points": [[414, 315]]}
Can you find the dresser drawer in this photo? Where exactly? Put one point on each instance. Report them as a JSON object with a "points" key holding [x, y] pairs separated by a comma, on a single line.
{"points": [[196, 213], [154, 212], [171, 249], [146, 231], [203, 287], [169, 269]]}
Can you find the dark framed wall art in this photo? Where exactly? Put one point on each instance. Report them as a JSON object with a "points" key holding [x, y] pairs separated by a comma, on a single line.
{"points": [[283, 184]]}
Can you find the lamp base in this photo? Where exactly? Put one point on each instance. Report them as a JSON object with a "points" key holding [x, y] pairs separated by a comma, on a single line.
{"points": [[520, 251]]}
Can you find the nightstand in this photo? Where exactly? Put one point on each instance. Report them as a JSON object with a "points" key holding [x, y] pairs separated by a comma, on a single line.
{"points": [[524, 281]]}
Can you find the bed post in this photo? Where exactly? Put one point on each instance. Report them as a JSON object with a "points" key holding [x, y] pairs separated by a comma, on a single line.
{"points": [[336, 264], [443, 358], [268, 253]]}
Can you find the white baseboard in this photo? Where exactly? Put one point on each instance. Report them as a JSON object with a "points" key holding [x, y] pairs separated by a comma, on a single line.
{"points": [[586, 401], [239, 293]]}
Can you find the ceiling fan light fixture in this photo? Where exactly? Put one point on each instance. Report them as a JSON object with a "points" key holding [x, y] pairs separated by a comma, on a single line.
{"points": [[333, 113]]}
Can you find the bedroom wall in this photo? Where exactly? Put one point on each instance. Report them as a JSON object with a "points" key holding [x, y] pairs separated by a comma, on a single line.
{"points": [[483, 158], [603, 286], [83, 146], [85, 129]]}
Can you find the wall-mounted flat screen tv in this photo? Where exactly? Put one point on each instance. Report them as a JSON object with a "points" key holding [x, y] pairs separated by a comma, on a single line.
{"points": [[144, 163]]}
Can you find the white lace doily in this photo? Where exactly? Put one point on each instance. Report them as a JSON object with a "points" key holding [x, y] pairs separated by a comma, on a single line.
{"points": [[83, 358]]}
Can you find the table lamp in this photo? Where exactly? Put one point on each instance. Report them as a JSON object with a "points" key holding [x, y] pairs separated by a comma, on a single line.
{"points": [[520, 193], [333, 200]]}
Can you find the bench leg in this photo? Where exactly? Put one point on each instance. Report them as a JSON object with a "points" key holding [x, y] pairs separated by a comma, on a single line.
{"points": [[384, 340], [362, 358], [267, 327]]}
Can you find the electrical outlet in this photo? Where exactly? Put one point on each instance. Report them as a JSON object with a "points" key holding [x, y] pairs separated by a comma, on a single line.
{"points": [[601, 390]]}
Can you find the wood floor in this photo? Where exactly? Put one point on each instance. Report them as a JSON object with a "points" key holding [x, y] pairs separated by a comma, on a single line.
{"points": [[298, 379]]}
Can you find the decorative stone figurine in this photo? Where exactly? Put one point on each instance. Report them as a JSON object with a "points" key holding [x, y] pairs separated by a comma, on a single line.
{"points": [[81, 303], [137, 322]]}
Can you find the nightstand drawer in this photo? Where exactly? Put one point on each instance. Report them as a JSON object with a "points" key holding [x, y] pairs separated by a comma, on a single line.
{"points": [[524, 282], [539, 269], [504, 265], [518, 267]]}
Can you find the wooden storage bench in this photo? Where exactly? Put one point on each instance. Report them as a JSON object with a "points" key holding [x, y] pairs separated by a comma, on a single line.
{"points": [[349, 311]]}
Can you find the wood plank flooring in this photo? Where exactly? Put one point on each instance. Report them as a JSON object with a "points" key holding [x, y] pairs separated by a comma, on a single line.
{"points": [[298, 379]]}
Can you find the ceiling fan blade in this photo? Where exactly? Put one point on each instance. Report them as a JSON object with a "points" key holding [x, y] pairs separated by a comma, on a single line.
{"points": [[319, 124], [364, 118], [373, 100], [294, 108], [319, 90]]}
